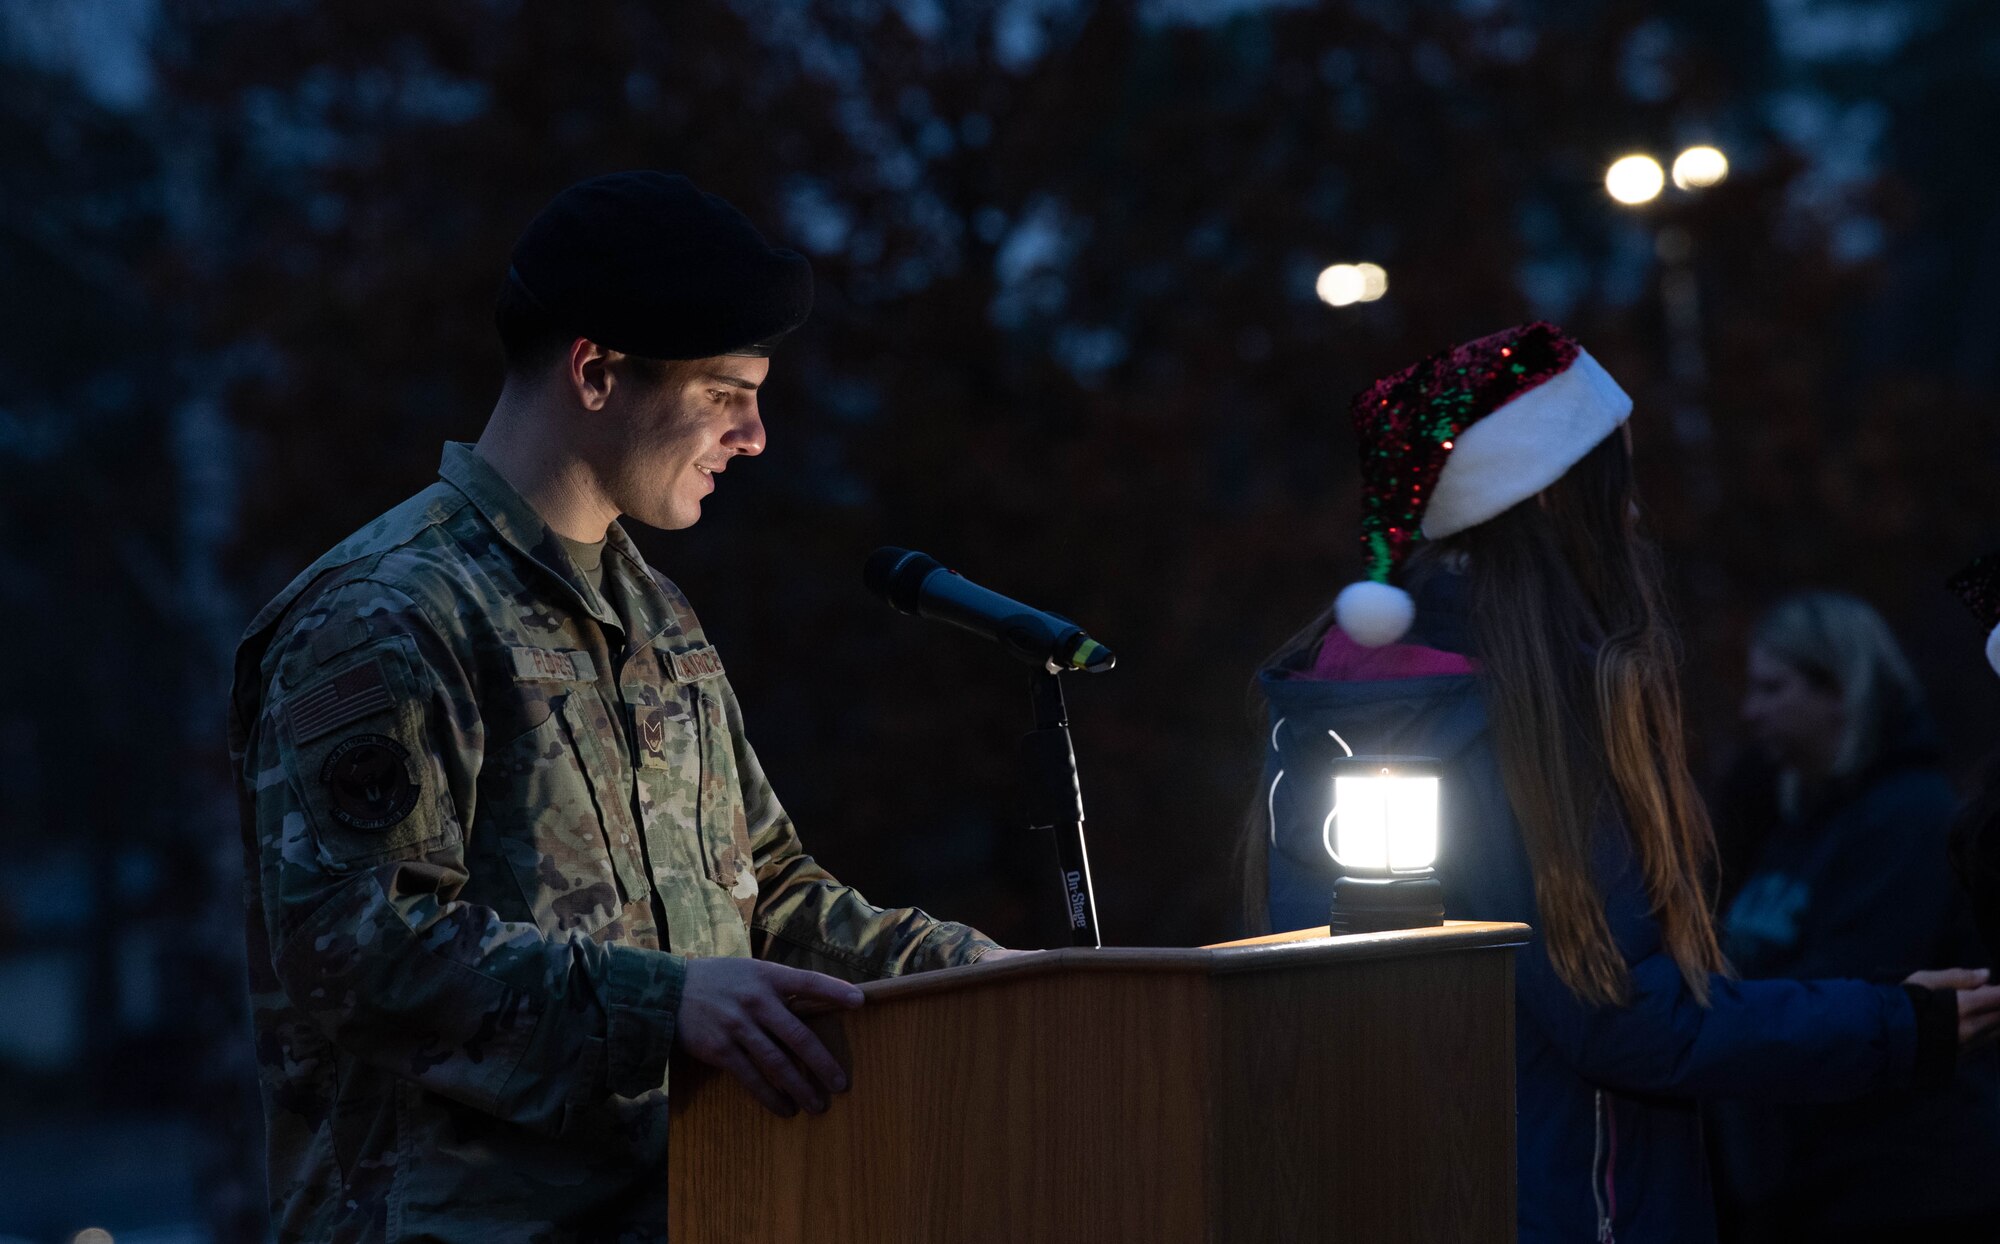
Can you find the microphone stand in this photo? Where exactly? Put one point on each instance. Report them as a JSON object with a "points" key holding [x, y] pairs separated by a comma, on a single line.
{"points": [[1055, 802]]}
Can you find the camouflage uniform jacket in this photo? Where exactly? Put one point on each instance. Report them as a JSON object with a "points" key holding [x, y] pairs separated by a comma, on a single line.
{"points": [[486, 812]]}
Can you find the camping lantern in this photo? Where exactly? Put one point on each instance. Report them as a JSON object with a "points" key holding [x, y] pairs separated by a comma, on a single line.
{"points": [[1383, 832]]}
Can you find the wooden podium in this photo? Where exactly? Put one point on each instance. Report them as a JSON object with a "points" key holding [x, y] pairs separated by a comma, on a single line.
{"points": [[1293, 1088]]}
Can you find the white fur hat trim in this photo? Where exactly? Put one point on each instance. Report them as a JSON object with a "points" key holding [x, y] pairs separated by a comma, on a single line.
{"points": [[1524, 446]]}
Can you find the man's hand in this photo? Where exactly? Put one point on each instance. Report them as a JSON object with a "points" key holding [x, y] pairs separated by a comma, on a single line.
{"points": [[1978, 1002], [735, 1015]]}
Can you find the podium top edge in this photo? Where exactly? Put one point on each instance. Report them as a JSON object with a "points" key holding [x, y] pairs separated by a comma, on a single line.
{"points": [[1301, 948]]}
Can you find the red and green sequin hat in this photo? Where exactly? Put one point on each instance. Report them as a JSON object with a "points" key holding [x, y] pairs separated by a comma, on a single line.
{"points": [[1459, 438]]}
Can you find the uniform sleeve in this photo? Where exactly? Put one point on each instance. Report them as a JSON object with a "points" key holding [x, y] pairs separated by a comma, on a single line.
{"points": [[807, 919], [362, 770]]}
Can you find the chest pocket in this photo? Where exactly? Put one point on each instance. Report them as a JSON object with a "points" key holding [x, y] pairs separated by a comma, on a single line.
{"points": [[568, 836], [694, 803], [725, 831]]}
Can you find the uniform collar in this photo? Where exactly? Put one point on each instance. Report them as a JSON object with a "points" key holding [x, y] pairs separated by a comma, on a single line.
{"points": [[517, 522]]}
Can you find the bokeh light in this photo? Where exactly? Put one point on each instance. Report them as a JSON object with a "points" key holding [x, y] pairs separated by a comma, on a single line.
{"points": [[1346, 283], [1635, 179], [1697, 168]]}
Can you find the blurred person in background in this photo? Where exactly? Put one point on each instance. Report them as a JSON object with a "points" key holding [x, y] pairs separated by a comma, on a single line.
{"points": [[1851, 878], [1512, 629]]}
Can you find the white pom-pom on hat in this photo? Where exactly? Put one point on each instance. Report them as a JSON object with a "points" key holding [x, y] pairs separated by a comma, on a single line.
{"points": [[1375, 614], [1993, 649]]}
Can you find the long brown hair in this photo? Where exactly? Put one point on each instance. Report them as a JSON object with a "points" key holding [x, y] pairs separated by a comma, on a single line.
{"points": [[1580, 670]]}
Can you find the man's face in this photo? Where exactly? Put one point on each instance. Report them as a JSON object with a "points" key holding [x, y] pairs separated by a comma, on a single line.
{"points": [[678, 434]]}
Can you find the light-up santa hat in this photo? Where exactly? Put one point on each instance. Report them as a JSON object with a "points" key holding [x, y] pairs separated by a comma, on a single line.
{"points": [[1458, 439]]}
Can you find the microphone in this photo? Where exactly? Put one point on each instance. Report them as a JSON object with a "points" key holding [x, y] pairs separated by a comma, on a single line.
{"points": [[914, 583]]}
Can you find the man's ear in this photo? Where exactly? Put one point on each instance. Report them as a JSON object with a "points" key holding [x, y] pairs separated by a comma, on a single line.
{"points": [[589, 372]]}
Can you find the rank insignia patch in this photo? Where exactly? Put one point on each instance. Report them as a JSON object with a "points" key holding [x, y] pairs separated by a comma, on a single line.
{"points": [[649, 730], [653, 733], [368, 779]]}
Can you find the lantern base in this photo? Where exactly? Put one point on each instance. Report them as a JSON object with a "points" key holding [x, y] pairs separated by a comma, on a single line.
{"points": [[1374, 905]]}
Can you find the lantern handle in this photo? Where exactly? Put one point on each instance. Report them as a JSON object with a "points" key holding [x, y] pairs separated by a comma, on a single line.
{"points": [[1326, 826], [1326, 834]]}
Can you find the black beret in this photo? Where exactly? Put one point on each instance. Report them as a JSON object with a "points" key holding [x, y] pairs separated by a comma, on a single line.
{"points": [[645, 263]]}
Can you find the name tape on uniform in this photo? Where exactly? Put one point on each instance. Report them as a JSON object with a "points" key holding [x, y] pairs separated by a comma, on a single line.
{"points": [[696, 664], [552, 663]]}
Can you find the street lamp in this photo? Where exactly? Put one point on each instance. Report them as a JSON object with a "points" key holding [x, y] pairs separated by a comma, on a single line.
{"points": [[1383, 832], [1698, 168], [1635, 179], [1346, 283]]}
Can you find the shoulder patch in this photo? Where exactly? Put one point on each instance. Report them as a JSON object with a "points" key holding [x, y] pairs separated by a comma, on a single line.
{"points": [[343, 698], [695, 664], [368, 784], [552, 663]]}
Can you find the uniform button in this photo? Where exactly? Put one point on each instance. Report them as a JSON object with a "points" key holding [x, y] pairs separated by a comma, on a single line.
{"points": [[625, 840]]}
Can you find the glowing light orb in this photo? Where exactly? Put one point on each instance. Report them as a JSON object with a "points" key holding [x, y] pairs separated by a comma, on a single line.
{"points": [[1635, 179], [1698, 168], [1346, 283]]}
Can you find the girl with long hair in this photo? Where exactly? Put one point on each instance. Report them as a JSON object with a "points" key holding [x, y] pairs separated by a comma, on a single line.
{"points": [[1512, 628]]}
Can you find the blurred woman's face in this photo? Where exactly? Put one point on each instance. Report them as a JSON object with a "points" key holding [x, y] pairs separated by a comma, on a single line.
{"points": [[1793, 718]]}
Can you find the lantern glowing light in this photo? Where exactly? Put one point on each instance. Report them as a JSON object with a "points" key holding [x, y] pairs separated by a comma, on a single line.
{"points": [[1383, 821], [1383, 832]]}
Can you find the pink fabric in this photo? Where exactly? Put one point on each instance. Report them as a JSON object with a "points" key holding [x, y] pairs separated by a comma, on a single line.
{"points": [[1342, 660]]}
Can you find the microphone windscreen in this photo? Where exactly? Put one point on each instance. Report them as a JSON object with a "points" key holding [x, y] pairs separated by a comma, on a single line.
{"points": [[895, 575]]}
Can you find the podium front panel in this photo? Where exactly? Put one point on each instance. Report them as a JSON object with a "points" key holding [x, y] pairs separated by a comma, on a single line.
{"points": [[1306, 1089]]}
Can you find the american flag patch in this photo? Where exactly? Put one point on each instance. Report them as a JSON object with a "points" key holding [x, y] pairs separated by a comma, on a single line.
{"points": [[339, 700]]}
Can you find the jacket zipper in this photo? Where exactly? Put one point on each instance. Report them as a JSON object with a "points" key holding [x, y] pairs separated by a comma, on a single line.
{"points": [[1603, 1168]]}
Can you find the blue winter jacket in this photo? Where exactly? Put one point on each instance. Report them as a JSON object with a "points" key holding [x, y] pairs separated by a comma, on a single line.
{"points": [[1609, 1139]]}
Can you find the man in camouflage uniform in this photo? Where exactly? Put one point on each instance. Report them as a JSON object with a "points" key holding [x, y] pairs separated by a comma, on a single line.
{"points": [[507, 845]]}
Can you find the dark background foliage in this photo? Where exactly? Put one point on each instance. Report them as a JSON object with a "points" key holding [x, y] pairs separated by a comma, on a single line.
{"points": [[1066, 340]]}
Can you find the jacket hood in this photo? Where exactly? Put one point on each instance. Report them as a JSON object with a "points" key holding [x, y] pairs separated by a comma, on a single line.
{"points": [[1436, 715]]}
